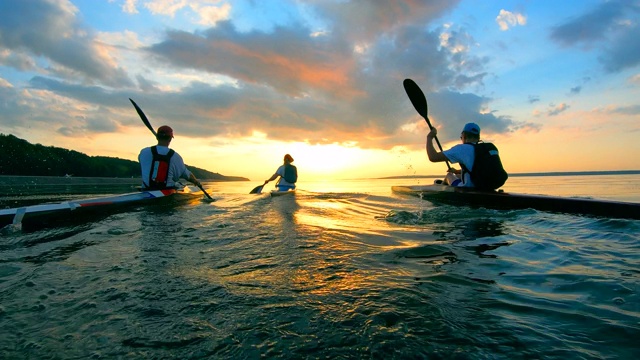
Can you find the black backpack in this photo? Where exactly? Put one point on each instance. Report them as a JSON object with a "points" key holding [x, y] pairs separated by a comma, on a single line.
{"points": [[290, 174], [487, 172]]}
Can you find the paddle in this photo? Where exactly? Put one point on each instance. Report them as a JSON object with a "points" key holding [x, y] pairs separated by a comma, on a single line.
{"points": [[419, 102], [148, 124], [258, 189]]}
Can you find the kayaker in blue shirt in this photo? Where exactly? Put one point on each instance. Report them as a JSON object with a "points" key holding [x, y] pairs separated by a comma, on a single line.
{"points": [[460, 153], [288, 175], [162, 167]]}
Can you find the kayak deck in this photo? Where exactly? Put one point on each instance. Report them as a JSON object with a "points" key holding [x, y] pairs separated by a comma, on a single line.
{"points": [[45, 215], [501, 200]]}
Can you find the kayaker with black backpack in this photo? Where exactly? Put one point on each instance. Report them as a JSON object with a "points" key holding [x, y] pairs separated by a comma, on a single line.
{"points": [[288, 175], [480, 161], [161, 167]]}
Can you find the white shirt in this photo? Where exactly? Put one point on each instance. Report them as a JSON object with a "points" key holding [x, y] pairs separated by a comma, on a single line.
{"points": [[464, 154], [177, 169]]}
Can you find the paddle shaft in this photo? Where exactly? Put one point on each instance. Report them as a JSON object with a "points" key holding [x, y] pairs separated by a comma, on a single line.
{"points": [[419, 102], [145, 120], [437, 141]]}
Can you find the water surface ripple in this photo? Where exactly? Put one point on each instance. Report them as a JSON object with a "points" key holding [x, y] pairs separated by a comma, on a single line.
{"points": [[323, 275]]}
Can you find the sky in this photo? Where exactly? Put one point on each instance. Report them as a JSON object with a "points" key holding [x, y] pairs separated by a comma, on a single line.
{"points": [[555, 85]]}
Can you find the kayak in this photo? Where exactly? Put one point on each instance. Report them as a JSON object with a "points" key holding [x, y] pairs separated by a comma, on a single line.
{"points": [[43, 215], [281, 193], [501, 200]]}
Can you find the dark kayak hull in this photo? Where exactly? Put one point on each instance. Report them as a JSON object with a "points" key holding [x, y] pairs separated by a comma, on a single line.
{"points": [[49, 215], [501, 200]]}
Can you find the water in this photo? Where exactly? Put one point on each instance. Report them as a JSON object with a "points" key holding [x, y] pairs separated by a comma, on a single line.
{"points": [[340, 270]]}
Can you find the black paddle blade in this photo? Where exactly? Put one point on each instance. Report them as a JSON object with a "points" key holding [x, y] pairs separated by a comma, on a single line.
{"points": [[419, 102], [417, 98], [143, 117], [256, 190]]}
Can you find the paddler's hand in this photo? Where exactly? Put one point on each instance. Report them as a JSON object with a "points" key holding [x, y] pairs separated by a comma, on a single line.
{"points": [[454, 171], [197, 183], [432, 133]]}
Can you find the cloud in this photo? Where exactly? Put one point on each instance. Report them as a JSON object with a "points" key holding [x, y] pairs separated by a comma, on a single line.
{"points": [[533, 99], [17, 60], [340, 84], [575, 90], [557, 109], [286, 59], [452, 110], [624, 52], [211, 15], [625, 110], [166, 7], [4, 83], [321, 88], [42, 28], [208, 14], [507, 19], [363, 21], [590, 26], [612, 27], [129, 7]]}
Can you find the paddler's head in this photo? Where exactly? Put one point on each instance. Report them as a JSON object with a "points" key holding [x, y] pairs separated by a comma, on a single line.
{"points": [[288, 159], [164, 135], [470, 133]]}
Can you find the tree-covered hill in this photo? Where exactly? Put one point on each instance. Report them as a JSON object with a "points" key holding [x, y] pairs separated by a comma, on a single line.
{"points": [[19, 157]]}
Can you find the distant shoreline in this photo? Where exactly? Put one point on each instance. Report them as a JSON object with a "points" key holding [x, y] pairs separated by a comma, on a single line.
{"points": [[80, 180], [557, 173]]}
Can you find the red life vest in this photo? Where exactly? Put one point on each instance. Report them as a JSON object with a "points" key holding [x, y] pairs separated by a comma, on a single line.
{"points": [[159, 173]]}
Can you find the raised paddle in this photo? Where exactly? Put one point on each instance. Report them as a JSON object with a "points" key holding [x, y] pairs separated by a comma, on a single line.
{"points": [[144, 117], [148, 124], [419, 102]]}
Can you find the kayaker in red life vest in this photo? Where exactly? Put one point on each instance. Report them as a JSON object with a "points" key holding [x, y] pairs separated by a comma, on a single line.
{"points": [[288, 175], [161, 167], [460, 153]]}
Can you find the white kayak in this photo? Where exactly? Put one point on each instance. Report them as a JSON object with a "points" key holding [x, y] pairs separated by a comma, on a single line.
{"points": [[44, 213]]}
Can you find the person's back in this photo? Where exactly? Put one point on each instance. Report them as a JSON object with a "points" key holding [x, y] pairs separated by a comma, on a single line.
{"points": [[288, 175], [160, 166], [480, 162]]}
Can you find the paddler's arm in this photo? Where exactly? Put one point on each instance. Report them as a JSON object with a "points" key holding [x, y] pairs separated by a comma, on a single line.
{"points": [[273, 177], [433, 154], [195, 181]]}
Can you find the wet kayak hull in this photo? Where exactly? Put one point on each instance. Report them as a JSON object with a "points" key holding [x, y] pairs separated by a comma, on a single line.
{"points": [[501, 200]]}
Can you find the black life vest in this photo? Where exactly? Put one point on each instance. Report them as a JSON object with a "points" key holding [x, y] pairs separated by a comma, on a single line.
{"points": [[159, 173], [487, 172], [290, 173]]}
